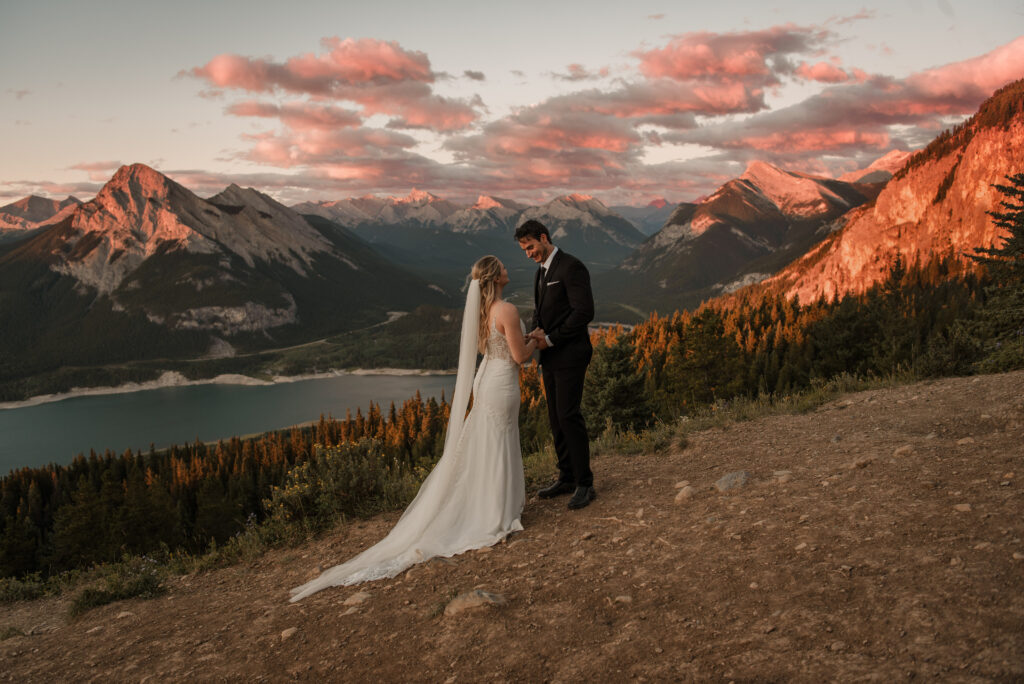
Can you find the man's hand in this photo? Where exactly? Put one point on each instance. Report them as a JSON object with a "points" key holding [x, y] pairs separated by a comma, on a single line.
{"points": [[539, 336]]}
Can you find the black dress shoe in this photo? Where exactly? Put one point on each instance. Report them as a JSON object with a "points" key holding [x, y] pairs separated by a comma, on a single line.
{"points": [[582, 497], [557, 489]]}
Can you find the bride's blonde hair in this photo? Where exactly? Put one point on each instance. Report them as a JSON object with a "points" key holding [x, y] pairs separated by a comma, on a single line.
{"points": [[487, 270]]}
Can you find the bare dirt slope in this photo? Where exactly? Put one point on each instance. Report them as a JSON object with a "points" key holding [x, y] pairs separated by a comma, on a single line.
{"points": [[892, 549]]}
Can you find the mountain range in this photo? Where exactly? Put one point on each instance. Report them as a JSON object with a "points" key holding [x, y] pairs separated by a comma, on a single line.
{"points": [[147, 269], [31, 213], [407, 228], [749, 228], [936, 205]]}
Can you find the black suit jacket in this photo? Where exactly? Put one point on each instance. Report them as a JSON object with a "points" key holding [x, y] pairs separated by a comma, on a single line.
{"points": [[563, 306]]}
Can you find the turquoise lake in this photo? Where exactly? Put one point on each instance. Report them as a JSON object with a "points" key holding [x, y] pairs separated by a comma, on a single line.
{"points": [[55, 432]]}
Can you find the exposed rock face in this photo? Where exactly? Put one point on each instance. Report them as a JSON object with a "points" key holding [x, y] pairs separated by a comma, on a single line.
{"points": [[141, 212], [937, 207], [33, 211], [239, 262], [751, 226]]}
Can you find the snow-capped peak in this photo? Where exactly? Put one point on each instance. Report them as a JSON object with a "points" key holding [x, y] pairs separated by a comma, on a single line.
{"points": [[483, 202], [416, 197], [795, 194]]}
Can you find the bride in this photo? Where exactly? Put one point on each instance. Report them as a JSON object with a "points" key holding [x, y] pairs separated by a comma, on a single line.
{"points": [[475, 494]]}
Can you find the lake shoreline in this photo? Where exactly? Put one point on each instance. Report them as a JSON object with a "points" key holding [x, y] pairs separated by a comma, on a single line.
{"points": [[176, 379]]}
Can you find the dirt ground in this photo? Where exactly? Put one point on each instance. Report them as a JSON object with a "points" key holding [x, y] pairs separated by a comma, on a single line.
{"points": [[890, 550]]}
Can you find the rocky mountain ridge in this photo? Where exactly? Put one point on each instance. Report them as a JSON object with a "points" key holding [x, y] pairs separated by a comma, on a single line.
{"points": [[747, 229], [148, 269], [936, 206], [581, 224]]}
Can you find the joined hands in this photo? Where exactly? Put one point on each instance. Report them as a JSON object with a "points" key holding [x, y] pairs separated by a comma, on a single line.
{"points": [[538, 336]]}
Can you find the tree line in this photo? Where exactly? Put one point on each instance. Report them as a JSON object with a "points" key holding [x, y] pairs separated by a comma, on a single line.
{"points": [[936, 318]]}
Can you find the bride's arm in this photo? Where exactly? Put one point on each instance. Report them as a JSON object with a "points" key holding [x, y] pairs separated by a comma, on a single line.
{"points": [[508, 317]]}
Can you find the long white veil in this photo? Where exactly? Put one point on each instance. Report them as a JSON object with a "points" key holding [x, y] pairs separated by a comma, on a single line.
{"points": [[468, 344], [409, 542]]}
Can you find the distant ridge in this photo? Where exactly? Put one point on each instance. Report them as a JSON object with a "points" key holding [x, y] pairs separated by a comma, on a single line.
{"points": [[936, 205]]}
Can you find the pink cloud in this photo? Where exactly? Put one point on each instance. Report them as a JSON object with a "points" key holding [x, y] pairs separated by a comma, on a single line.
{"points": [[964, 84], [822, 72], [319, 146], [381, 76], [98, 171], [757, 57], [869, 114], [299, 115]]}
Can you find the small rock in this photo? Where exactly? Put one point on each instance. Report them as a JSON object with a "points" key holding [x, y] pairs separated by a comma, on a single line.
{"points": [[801, 546], [94, 629], [753, 585], [985, 416], [931, 435], [484, 549], [350, 611], [783, 476], [769, 629], [837, 646], [587, 535], [640, 514], [981, 546], [579, 554], [965, 441], [1017, 555], [837, 438], [682, 483], [357, 598], [685, 494], [732, 480], [623, 599], [963, 507], [125, 614], [472, 599], [902, 451], [289, 633], [862, 462]]}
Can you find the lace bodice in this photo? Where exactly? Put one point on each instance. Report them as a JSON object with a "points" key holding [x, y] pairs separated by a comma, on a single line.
{"points": [[497, 344]]}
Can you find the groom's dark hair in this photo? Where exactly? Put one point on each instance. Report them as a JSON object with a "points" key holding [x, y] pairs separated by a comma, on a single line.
{"points": [[532, 229]]}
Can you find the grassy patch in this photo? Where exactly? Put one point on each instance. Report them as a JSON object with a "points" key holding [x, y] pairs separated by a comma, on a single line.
{"points": [[27, 588], [135, 577]]}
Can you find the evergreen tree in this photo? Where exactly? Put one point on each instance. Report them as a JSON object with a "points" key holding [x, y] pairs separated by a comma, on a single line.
{"points": [[614, 389], [1000, 323]]}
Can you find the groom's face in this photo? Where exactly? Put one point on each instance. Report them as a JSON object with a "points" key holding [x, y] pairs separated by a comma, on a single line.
{"points": [[537, 250]]}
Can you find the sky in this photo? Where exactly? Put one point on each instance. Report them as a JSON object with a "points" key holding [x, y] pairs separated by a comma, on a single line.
{"points": [[525, 100]]}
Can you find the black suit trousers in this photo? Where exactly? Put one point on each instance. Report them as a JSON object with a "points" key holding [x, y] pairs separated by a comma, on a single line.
{"points": [[564, 390]]}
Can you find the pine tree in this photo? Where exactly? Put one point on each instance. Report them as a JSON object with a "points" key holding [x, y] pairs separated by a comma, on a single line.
{"points": [[614, 389], [1000, 323]]}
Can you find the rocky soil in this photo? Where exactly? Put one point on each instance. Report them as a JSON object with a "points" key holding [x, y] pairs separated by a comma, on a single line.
{"points": [[878, 537]]}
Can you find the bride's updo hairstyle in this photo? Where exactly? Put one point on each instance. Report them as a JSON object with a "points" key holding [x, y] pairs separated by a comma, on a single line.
{"points": [[488, 271]]}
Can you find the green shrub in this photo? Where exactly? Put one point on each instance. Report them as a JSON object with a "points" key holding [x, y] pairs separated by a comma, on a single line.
{"points": [[356, 479], [133, 577]]}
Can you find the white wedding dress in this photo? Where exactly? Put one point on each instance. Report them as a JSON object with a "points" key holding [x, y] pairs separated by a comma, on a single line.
{"points": [[475, 494]]}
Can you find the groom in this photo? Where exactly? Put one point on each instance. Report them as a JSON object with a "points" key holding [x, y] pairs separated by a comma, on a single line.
{"points": [[563, 305]]}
